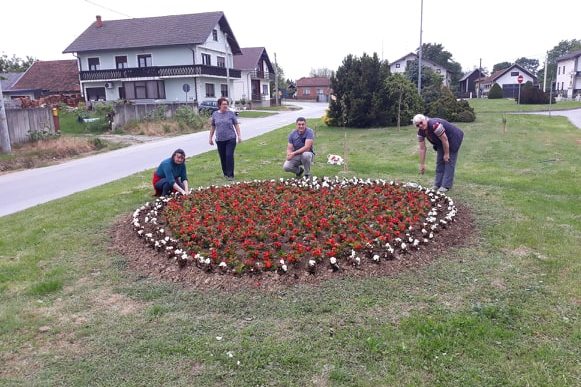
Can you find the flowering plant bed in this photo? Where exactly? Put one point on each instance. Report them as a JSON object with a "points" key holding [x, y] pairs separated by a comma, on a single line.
{"points": [[293, 225]]}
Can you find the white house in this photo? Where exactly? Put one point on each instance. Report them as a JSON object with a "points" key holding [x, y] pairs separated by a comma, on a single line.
{"points": [[400, 65], [257, 73], [168, 58], [568, 77], [507, 79]]}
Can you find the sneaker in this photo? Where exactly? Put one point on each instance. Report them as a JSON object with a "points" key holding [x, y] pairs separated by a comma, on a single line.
{"points": [[301, 171], [308, 177], [434, 188], [443, 189], [230, 178]]}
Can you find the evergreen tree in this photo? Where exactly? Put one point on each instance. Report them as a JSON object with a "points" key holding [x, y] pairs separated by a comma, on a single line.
{"points": [[495, 92], [359, 98]]}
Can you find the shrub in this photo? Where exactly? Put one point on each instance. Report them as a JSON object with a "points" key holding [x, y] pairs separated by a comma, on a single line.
{"points": [[186, 117], [41, 135], [495, 92], [447, 107], [533, 95]]}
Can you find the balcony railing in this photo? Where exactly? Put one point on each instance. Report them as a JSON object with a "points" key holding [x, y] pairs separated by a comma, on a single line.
{"points": [[157, 71], [262, 75]]}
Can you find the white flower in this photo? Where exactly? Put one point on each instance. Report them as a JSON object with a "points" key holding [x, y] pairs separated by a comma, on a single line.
{"points": [[376, 258], [312, 262], [284, 268], [404, 246], [358, 261], [223, 264], [333, 260]]}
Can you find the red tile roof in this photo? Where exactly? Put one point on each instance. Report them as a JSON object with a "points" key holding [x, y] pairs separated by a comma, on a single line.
{"points": [[55, 76], [314, 81]]}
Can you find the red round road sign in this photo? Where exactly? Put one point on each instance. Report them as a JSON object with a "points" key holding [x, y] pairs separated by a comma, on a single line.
{"points": [[520, 79]]}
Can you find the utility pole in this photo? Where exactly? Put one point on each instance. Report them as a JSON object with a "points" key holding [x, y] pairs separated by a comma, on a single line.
{"points": [[275, 81], [545, 76], [479, 76], [4, 134], [420, 51]]}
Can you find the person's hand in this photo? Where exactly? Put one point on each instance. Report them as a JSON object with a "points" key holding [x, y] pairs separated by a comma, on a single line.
{"points": [[211, 141], [446, 158], [289, 155], [422, 169], [239, 139]]}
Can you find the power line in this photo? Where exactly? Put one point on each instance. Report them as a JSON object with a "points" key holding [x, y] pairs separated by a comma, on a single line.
{"points": [[108, 9]]}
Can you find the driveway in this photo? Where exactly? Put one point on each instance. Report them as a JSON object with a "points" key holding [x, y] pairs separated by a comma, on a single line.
{"points": [[573, 115], [21, 190]]}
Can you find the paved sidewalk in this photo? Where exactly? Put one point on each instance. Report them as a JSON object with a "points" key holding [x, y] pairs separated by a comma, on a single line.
{"points": [[21, 190]]}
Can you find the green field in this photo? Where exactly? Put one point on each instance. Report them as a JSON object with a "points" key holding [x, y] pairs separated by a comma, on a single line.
{"points": [[503, 310]]}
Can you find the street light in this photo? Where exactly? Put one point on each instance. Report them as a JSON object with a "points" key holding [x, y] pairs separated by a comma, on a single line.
{"points": [[420, 51]]}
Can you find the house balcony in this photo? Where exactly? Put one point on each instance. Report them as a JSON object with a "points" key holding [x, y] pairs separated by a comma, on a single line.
{"points": [[262, 75], [158, 71]]}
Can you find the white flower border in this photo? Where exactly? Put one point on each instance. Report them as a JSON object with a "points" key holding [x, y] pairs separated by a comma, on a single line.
{"points": [[440, 216]]}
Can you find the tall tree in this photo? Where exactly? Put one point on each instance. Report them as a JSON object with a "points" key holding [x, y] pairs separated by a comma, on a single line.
{"points": [[501, 66], [404, 98], [429, 76], [15, 64], [564, 47], [529, 64], [322, 72], [436, 53], [359, 98]]}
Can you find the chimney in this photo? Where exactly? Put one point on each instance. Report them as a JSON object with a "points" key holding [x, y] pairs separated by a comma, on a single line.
{"points": [[99, 22]]}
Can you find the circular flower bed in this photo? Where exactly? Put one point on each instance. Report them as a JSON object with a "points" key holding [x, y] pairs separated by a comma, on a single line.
{"points": [[289, 225]]}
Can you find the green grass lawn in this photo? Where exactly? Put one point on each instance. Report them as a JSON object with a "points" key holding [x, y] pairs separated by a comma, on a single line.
{"points": [[501, 311]]}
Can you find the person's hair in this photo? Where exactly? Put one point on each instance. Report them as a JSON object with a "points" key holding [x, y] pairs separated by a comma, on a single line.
{"points": [[301, 119], [178, 151], [222, 99], [418, 118]]}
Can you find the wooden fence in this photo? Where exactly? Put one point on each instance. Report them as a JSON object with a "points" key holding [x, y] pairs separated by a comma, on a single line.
{"points": [[137, 112], [22, 122]]}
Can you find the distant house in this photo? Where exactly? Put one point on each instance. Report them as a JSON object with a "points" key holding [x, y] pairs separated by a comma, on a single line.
{"points": [[314, 89], [45, 78], [167, 58], [467, 84], [257, 73], [400, 65], [6, 81], [568, 77], [507, 79]]}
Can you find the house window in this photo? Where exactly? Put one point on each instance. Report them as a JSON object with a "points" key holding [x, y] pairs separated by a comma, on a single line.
{"points": [[514, 73], [206, 59], [121, 62], [264, 89], [144, 60], [563, 69], [93, 64], [224, 90], [397, 65], [221, 61], [210, 90], [215, 35], [562, 85], [143, 90], [306, 91], [559, 70]]}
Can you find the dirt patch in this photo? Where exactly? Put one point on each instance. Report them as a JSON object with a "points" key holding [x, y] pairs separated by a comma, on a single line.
{"points": [[129, 139], [148, 262]]}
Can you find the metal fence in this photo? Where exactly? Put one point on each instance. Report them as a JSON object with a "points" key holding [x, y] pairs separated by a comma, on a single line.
{"points": [[23, 122]]}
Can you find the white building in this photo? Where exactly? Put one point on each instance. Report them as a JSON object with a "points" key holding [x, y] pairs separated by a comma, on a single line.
{"points": [[568, 77]]}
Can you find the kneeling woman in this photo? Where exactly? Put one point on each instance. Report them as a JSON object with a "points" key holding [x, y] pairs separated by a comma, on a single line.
{"points": [[171, 175]]}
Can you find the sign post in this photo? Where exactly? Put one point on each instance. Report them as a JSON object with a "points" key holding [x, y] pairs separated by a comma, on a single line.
{"points": [[520, 80], [186, 88]]}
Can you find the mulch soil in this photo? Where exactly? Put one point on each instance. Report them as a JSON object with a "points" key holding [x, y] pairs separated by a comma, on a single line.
{"points": [[147, 262]]}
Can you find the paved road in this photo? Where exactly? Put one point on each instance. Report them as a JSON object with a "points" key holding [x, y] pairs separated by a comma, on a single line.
{"points": [[21, 190], [573, 115]]}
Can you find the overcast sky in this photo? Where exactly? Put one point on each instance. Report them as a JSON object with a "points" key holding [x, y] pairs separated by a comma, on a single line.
{"points": [[312, 34]]}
